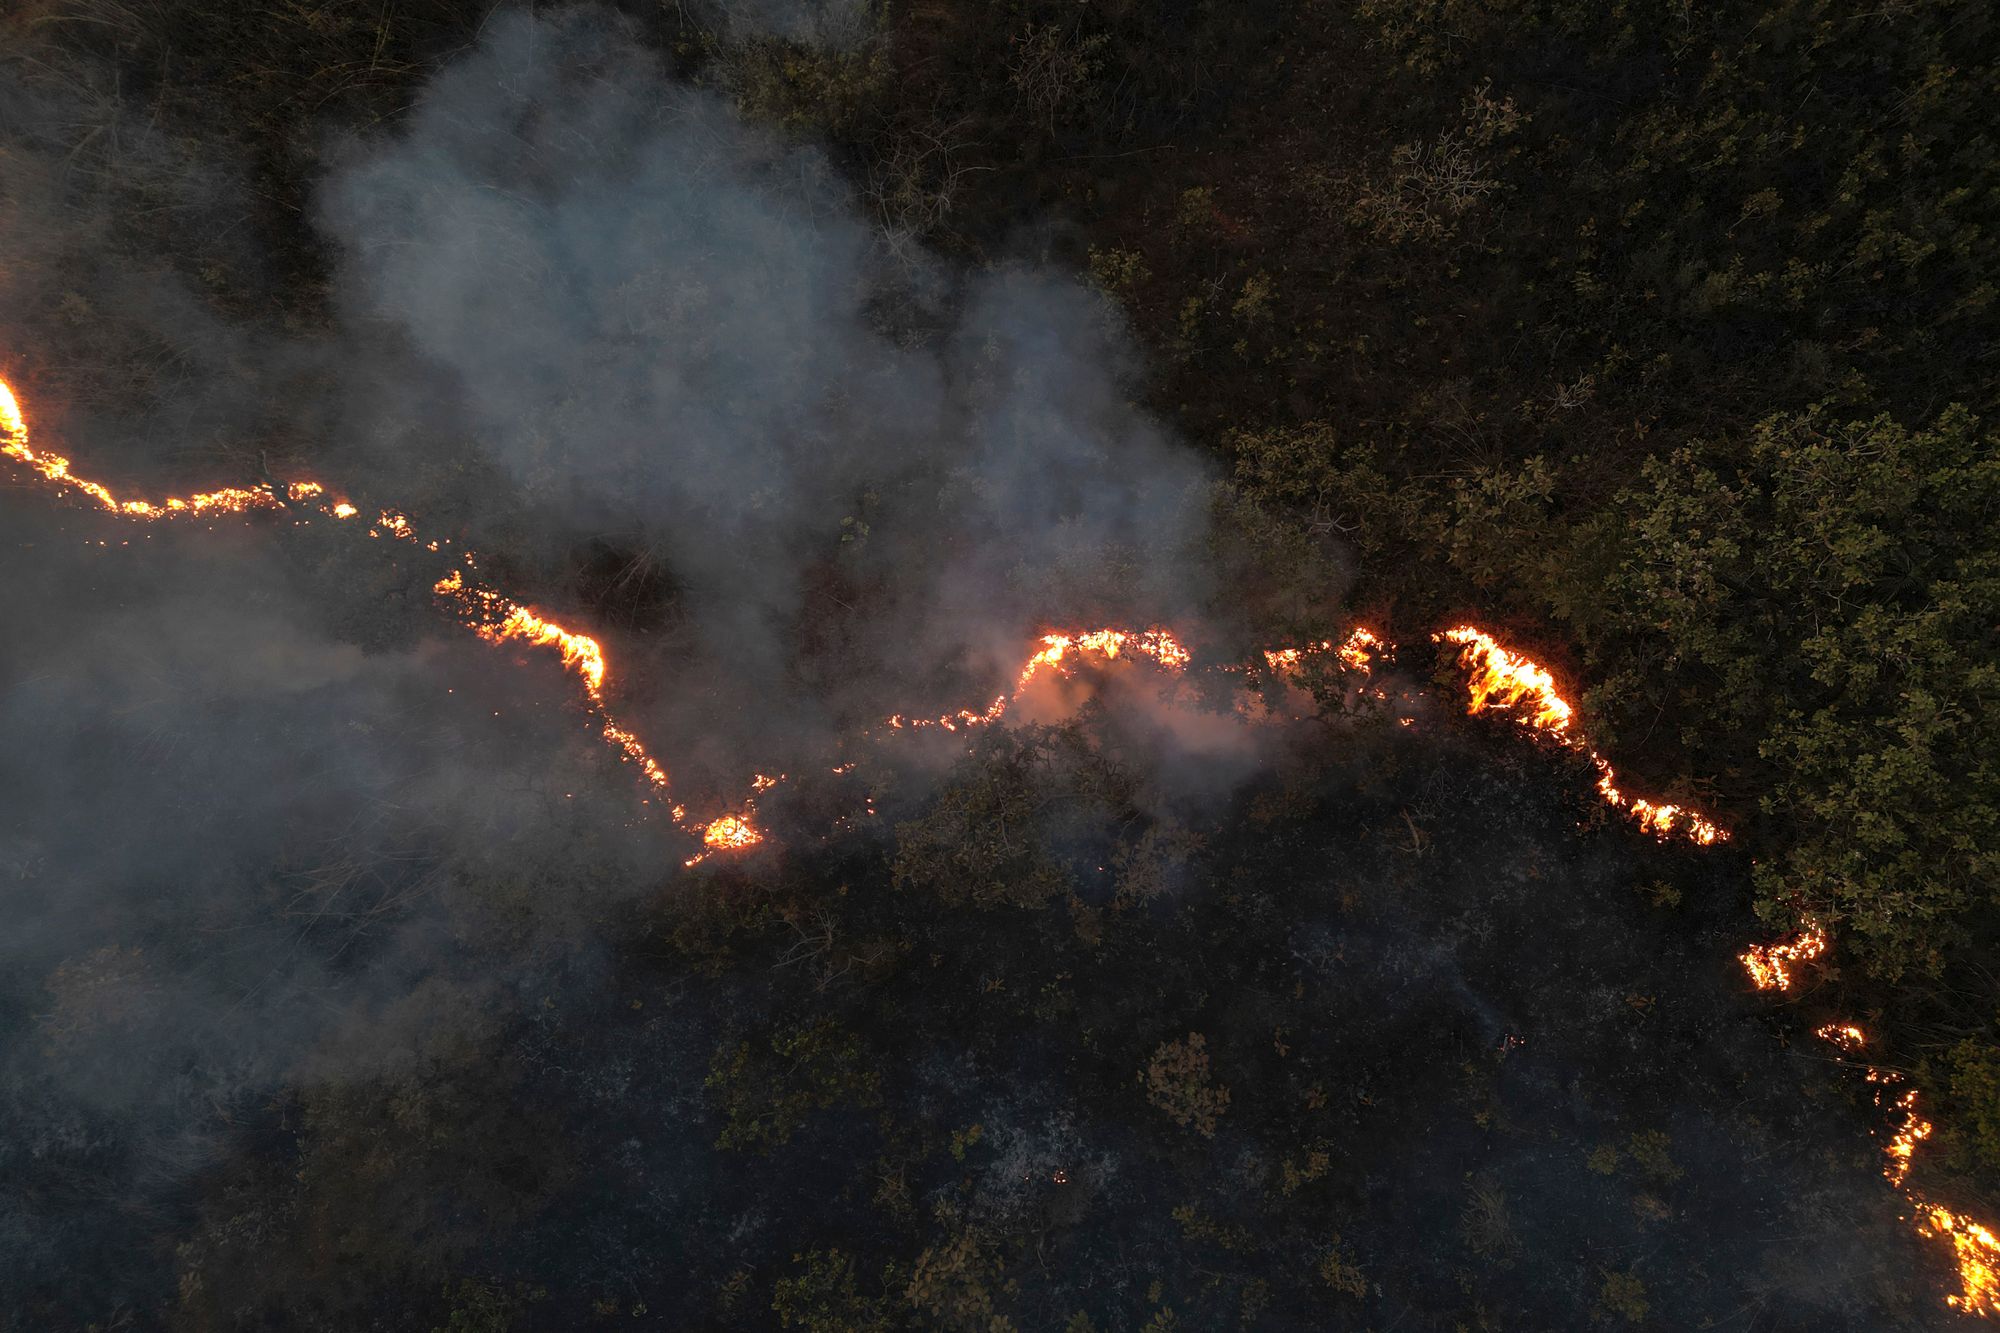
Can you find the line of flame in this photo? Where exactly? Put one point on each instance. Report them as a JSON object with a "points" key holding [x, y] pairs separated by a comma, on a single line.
{"points": [[1770, 965], [486, 612], [1975, 1250], [1106, 645], [1500, 679], [1497, 678], [55, 469]]}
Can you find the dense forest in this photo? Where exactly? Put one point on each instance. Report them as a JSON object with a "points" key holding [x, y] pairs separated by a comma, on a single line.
{"points": [[816, 356]]}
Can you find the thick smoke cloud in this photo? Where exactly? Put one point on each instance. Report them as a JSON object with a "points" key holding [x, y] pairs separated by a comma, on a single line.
{"points": [[228, 836], [672, 325], [265, 824], [244, 821]]}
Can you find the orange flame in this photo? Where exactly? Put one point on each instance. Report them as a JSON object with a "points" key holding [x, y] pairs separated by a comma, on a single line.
{"points": [[1501, 679], [1054, 654], [55, 469], [730, 833], [1977, 1252], [1356, 652], [1498, 679], [500, 620], [1360, 649], [1770, 965], [489, 614], [1975, 1249], [1061, 651], [497, 620]]}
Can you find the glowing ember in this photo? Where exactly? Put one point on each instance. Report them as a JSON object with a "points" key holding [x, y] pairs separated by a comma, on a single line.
{"points": [[1975, 1249], [489, 614], [1498, 679], [1770, 965], [1056, 653], [1902, 1149], [1357, 652], [1977, 1252], [730, 833], [496, 619], [395, 525]]}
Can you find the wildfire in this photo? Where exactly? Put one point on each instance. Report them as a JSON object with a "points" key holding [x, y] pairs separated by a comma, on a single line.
{"points": [[1056, 653], [1498, 679], [1902, 1149], [1978, 1254], [1107, 644], [54, 468], [394, 524], [489, 614], [1357, 652], [1060, 652], [730, 831], [1975, 1249], [498, 620], [1360, 649], [1770, 965]]}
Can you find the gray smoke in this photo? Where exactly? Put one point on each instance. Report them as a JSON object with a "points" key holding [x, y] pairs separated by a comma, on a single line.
{"points": [[265, 823], [255, 796], [668, 324]]}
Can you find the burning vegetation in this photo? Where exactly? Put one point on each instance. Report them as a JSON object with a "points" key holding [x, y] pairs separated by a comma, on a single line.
{"points": [[799, 951], [1500, 679], [1497, 680]]}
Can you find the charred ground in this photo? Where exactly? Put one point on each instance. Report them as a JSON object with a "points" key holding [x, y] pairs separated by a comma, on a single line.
{"points": [[339, 1001], [1405, 1031]]}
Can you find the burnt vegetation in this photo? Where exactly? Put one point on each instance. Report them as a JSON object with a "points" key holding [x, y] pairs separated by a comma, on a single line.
{"points": [[1659, 335]]}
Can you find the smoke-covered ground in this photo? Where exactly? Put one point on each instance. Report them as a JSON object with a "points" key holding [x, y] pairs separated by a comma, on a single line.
{"points": [[346, 983]]}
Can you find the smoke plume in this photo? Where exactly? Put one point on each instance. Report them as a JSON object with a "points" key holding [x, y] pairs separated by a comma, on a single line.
{"points": [[274, 835], [679, 332]]}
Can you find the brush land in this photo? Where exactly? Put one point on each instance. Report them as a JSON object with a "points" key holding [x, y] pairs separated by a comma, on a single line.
{"points": [[1658, 338]]}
